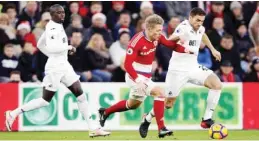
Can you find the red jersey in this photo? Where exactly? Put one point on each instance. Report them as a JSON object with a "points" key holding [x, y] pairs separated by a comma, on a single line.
{"points": [[141, 53]]}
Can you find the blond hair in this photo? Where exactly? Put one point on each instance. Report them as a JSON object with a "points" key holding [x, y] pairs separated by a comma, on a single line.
{"points": [[91, 42], [153, 20]]}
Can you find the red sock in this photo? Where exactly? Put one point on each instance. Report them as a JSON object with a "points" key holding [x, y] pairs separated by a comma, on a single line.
{"points": [[159, 107], [118, 107]]}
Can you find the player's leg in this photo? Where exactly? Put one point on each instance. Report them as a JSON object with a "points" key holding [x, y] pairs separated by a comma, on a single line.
{"points": [[31, 105], [71, 81], [205, 77], [158, 107], [51, 83], [174, 82], [214, 84], [121, 106]]}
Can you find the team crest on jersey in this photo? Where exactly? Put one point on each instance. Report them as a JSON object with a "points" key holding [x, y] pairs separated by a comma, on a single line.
{"points": [[155, 43], [129, 51]]}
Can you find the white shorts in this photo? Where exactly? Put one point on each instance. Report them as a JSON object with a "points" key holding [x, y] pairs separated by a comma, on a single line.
{"points": [[175, 80], [132, 85], [53, 79]]}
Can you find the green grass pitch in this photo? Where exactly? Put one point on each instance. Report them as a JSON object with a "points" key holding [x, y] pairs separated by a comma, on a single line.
{"points": [[126, 135]]}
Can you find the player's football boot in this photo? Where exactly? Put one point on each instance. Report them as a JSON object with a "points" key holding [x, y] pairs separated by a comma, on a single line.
{"points": [[143, 128], [102, 116], [9, 120], [164, 132], [207, 123], [98, 132]]}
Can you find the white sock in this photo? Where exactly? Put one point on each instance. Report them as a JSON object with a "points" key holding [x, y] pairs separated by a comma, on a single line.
{"points": [[85, 111], [31, 105], [151, 114], [212, 102]]}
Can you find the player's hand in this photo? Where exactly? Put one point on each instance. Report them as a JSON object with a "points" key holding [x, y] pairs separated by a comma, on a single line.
{"points": [[72, 51], [216, 54], [140, 88], [188, 51]]}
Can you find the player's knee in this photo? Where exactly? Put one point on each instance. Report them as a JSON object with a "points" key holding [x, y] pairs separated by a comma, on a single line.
{"points": [[217, 85], [77, 92], [168, 106], [43, 102], [132, 106], [157, 92]]}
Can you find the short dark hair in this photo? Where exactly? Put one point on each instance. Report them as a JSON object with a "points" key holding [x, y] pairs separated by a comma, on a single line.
{"points": [[9, 6], [15, 72], [125, 12], [53, 8], [227, 36], [197, 11], [8, 45]]}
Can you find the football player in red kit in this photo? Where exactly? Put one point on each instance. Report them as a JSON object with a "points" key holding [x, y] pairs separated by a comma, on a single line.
{"points": [[138, 65]]}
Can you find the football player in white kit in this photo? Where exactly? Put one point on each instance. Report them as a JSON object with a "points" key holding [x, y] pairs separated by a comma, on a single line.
{"points": [[184, 68], [54, 44]]}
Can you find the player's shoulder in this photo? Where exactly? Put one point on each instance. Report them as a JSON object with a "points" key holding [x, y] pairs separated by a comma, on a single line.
{"points": [[51, 26], [202, 29], [184, 23], [136, 39]]}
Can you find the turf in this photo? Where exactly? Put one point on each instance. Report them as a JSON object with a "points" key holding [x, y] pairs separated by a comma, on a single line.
{"points": [[125, 135]]}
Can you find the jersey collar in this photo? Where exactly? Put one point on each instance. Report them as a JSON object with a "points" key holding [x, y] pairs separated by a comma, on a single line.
{"points": [[144, 33]]}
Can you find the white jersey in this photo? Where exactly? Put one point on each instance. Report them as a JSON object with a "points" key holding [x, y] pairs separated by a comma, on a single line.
{"points": [[184, 61], [54, 44]]}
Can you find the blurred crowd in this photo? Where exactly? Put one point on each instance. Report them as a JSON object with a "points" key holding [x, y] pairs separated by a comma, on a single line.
{"points": [[101, 31]]}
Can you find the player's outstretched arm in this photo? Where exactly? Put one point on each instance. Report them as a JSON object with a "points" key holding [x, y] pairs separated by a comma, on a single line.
{"points": [[172, 44], [215, 53]]}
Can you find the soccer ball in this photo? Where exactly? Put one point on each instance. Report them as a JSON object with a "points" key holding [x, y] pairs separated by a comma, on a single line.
{"points": [[218, 131]]}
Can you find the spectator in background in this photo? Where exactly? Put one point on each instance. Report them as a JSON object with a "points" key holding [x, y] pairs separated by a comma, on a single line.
{"points": [[217, 10], [12, 14], [158, 74], [204, 57], [28, 72], [97, 56], [146, 9], [140, 25], [253, 76], [40, 61], [40, 26], [73, 9], [229, 52], [98, 26], [78, 63], [118, 53], [30, 13], [76, 25], [247, 60], [24, 34], [226, 73], [217, 32], [114, 14], [15, 77], [178, 8], [237, 14], [96, 7], [123, 22], [8, 62], [243, 41], [5, 25], [118, 48], [172, 24]]}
